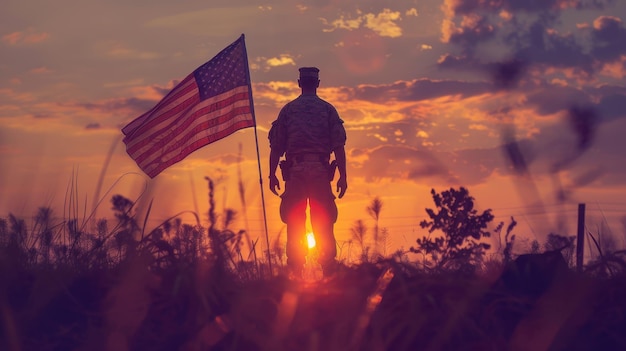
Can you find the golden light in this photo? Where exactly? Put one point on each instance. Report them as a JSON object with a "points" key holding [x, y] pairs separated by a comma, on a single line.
{"points": [[310, 240]]}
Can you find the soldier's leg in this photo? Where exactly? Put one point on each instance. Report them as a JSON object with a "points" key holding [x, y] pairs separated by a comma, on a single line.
{"points": [[293, 213], [323, 217]]}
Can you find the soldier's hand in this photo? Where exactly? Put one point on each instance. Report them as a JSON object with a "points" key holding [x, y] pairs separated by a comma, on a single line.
{"points": [[342, 186], [274, 183]]}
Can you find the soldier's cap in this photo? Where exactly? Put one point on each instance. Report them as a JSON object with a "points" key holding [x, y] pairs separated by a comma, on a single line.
{"points": [[309, 72]]}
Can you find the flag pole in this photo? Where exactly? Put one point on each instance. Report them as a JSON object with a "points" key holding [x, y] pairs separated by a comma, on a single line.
{"points": [[258, 155]]}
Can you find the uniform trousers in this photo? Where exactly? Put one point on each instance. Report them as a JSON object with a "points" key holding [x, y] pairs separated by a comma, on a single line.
{"points": [[309, 184]]}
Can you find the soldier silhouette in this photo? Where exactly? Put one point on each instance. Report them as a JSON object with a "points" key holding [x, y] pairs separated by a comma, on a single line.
{"points": [[307, 131]]}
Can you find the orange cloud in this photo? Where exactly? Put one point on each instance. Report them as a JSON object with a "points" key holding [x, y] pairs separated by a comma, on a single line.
{"points": [[281, 60], [448, 28], [16, 96], [615, 69], [383, 23], [411, 12], [275, 93], [118, 50], [603, 21], [26, 37], [9, 150], [40, 70], [136, 89]]}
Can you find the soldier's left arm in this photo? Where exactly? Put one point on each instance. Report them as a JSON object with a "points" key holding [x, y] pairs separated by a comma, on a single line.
{"points": [[277, 141], [342, 182], [338, 141]]}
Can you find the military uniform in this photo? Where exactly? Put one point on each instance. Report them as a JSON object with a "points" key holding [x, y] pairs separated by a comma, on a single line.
{"points": [[307, 131]]}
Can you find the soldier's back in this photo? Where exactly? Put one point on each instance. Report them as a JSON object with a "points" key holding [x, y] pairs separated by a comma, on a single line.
{"points": [[307, 121]]}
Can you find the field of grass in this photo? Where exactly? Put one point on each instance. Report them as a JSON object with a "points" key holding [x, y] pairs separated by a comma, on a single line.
{"points": [[91, 286]]}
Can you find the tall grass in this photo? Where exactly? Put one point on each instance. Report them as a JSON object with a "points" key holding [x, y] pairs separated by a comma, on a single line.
{"points": [[184, 286]]}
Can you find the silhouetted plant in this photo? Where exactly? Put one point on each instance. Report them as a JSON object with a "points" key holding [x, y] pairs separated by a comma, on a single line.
{"points": [[229, 217], [509, 239], [124, 212], [277, 251], [604, 241], [374, 209], [565, 244], [535, 247], [126, 228], [18, 232], [225, 245], [608, 265], [359, 234], [462, 227], [4, 232], [43, 227], [102, 226]]}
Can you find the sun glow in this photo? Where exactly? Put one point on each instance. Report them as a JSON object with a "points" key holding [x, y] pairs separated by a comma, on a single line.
{"points": [[310, 240]]}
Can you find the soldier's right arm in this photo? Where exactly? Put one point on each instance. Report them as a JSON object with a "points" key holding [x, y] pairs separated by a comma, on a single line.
{"points": [[277, 141], [274, 183], [342, 182]]}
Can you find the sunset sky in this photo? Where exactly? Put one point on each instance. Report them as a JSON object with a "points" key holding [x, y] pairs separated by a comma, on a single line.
{"points": [[429, 90]]}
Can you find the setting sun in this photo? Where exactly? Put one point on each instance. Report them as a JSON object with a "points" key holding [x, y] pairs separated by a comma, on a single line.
{"points": [[310, 240]]}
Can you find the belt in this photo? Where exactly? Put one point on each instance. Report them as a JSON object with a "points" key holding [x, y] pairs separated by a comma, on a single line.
{"points": [[309, 158]]}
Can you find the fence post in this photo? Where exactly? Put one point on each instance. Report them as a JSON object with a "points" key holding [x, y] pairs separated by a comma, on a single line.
{"points": [[580, 243]]}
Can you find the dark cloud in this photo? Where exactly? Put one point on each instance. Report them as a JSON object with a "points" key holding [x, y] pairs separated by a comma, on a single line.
{"points": [[357, 152], [164, 90], [472, 34], [529, 37], [465, 167], [401, 162], [93, 126], [530, 6], [609, 39], [404, 162], [612, 107], [549, 99], [474, 166], [573, 145], [507, 74], [608, 102], [134, 105], [583, 120], [420, 89], [42, 115], [262, 88], [554, 50], [227, 159]]}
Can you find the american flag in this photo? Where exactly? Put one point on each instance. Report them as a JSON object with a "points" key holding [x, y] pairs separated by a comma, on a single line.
{"points": [[211, 103]]}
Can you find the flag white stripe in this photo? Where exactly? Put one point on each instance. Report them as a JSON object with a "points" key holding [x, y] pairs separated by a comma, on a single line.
{"points": [[166, 100], [148, 127], [156, 131], [147, 138], [153, 155], [199, 120], [155, 162], [192, 114]]}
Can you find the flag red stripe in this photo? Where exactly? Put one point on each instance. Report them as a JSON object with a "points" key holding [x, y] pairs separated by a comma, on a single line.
{"points": [[175, 143], [212, 102], [181, 89], [143, 134], [180, 124], [170, 114], [195, 146]]}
